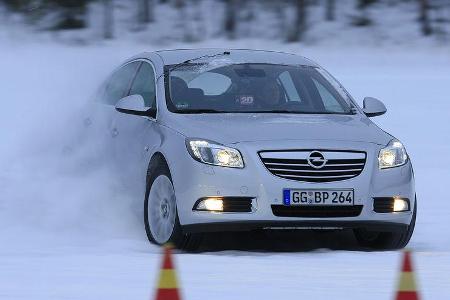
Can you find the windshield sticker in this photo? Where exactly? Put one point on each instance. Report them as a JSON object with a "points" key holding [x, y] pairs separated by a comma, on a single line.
{"points": [[245, 100], [182, 105]]}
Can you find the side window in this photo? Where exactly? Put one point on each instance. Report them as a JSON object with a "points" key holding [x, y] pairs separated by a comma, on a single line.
{"points": [[289, 87], [119, 83], [144, 85], [329, 101]]}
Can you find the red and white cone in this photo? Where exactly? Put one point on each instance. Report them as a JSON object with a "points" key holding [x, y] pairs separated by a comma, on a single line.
{"points": [[407, 289], [167, 285]]}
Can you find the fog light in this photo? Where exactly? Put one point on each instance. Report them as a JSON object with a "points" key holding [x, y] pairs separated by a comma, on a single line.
{"points": [[400, 205], [211, 204]]}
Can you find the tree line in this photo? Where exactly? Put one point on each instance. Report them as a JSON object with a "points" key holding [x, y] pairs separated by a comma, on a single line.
{"points": [[433, 16]]}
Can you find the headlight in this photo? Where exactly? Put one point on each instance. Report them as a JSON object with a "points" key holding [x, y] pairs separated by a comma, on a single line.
{"points": [[393, 155], [214, 154]]}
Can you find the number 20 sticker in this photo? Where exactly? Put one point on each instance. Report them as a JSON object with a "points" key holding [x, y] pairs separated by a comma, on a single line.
{"points": [[245, 100]]}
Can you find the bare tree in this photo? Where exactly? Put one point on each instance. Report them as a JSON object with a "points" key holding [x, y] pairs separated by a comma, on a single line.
{"points": [[363, 19], [200, 28], [183, 20], [281, 17], [299, 27], [330, 10], [108, 19], [146, 11], [230, 18], [424, 17]]}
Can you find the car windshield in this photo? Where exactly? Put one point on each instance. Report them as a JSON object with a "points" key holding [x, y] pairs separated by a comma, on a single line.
{"points": [[252, 87]]}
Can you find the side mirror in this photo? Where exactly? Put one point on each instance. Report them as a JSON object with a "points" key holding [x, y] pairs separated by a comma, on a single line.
{"points": [[373, 107], [135, 105]]}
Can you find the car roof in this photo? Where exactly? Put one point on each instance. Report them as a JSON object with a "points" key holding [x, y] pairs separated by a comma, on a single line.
{"points": [[176, 56]]}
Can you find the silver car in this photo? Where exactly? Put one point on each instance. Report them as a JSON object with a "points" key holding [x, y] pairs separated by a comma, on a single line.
{"points": [[240, 140]]}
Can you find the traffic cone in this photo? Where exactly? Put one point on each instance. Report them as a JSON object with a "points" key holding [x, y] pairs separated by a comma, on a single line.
{"points": [[407, 285], [167, 285]]}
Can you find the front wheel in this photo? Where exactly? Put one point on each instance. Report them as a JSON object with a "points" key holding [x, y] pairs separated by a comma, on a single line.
{"points": [[387, 240], [161, 220]]}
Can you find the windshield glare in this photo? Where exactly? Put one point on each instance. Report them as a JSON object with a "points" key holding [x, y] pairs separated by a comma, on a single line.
{"points": [[251, 87]]}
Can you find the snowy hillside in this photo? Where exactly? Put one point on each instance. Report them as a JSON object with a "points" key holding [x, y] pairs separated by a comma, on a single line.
{"points": [[388, 22]]}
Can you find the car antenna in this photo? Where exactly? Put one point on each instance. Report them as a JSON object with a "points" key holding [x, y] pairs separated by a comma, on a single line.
{"points": [[194, 59]]}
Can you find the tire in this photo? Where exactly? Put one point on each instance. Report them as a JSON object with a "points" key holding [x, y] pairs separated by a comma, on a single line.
{"points": [[387, 240], [169, 230]]}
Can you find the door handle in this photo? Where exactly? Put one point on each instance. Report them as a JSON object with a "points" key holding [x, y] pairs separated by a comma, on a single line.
{"points": [[114, 132], [87, 122]]}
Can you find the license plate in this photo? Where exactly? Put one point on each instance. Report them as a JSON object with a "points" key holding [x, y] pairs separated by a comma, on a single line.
{"points": [[318, 197]]}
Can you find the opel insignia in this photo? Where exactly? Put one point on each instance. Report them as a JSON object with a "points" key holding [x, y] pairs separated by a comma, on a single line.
{"points": [[241, 140]]}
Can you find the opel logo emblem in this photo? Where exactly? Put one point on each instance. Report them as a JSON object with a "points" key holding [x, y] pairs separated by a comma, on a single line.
{"points": [[316, 160]]}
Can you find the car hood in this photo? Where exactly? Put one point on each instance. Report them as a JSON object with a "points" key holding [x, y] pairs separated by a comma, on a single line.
{"points": [[234, 128]]}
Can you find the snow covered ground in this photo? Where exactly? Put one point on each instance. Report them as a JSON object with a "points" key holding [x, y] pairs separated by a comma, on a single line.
{"points": [[69, 230]]}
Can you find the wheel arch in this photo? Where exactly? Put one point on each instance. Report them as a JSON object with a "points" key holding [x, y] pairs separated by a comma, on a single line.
{"points": [[157, 157], [179, 164]]}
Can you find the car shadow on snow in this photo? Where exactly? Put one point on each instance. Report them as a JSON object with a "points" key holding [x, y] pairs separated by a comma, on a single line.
{"points": [[280, 241]]}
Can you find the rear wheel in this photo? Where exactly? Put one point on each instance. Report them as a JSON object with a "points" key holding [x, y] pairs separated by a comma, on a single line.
{"points": [[162, 224], [387, 240]]}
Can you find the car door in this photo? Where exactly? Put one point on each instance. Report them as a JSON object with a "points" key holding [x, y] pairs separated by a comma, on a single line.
{"points": [[96, 119], [116, 88], [135, 136]]}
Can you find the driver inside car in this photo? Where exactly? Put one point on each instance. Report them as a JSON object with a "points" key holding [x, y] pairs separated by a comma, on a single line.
{"points": [[267, 96], [270, 95]]}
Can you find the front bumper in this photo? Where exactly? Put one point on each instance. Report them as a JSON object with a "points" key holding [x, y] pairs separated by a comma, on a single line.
{"points": [[289, 225], [257, 182]]}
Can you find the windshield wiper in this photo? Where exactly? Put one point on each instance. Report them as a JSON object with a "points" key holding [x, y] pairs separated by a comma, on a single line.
{"points": [[213, 111], [174, 67], [281, 111], [199, 111], [276, 111], [197, 58]]}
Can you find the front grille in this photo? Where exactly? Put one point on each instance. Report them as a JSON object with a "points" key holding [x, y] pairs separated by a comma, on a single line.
{"points": [[296, 165], [317, 211]]}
